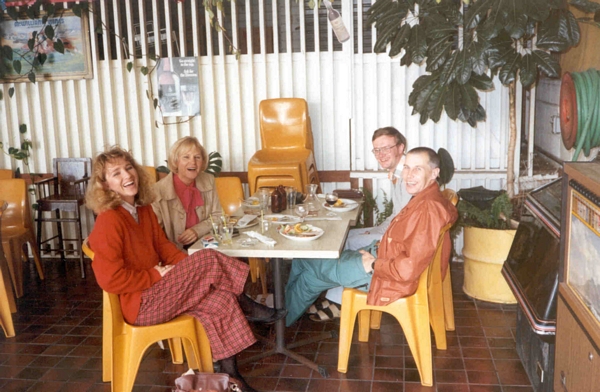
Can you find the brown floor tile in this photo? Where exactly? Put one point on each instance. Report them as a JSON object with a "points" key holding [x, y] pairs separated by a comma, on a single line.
{"points": [[59, 336]]}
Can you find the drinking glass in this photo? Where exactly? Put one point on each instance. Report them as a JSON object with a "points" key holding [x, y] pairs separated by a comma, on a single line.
{"points": [[263, 198], [330, 199], [216, 222], [227, 233], [301, 211], [290, 193]]}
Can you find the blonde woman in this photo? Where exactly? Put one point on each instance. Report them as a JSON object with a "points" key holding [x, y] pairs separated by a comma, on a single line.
{"points": [[187, 196]]}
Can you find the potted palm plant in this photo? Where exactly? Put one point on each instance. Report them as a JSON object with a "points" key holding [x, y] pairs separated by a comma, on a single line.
{"points": [[488, 231]]}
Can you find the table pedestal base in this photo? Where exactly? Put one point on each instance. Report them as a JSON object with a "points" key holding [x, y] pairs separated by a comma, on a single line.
{"points": [[279, 347]]}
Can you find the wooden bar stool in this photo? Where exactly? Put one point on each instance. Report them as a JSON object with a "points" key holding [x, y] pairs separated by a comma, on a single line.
{"points": [[64, 192], [7, 300]]}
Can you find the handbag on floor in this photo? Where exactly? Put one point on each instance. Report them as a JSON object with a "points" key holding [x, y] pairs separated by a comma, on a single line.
{"points": [[205, 382]]}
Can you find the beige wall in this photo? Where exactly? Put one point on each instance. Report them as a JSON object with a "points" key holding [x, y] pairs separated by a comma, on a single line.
{"points": [[587, 54]]}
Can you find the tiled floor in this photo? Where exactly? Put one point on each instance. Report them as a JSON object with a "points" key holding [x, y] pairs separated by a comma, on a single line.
{"points": [[58, 348]]}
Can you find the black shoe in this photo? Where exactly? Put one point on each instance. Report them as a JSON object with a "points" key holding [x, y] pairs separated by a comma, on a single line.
{"points": [[277, 315]]}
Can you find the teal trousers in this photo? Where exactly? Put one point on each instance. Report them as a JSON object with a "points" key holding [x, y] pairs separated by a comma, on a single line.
{"points": [[310, 277]]}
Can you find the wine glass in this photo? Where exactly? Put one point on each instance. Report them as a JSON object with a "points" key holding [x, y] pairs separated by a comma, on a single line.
{"points": [[330, 199], [301, 211]]}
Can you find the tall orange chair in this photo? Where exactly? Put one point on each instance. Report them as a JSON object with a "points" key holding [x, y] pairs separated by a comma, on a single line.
{"points": [[287, 154], [152, 171], [231, 194], [123, 344], [7, 300], [414, 313], [64, 192], [452, 196], [6, 174], [17, 229]]}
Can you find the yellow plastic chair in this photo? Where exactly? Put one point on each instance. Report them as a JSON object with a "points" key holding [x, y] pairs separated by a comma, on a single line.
{"points": [[17, 229], [7, 300], [6, 174], [124, 345], [231, 194], [452, 196], [152, 171], [287, 156], [413, 313]]}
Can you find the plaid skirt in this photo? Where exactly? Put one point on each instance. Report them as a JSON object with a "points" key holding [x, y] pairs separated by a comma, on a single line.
{"points": [[204, 285]]}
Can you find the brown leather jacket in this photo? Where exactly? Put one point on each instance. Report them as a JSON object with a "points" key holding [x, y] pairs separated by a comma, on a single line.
{"points": [[408, 245], [171, 214]]}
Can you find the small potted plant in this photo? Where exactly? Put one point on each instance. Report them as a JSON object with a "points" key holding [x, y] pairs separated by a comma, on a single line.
{"points": [[488, 235]]}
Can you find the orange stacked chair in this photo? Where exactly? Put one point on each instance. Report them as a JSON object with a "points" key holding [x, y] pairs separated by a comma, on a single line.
{"points": [[17, 229], [7, 300], [287, 155]]}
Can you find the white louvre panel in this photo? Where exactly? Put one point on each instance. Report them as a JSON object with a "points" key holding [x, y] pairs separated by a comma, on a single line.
{"points": [[289, 50]]}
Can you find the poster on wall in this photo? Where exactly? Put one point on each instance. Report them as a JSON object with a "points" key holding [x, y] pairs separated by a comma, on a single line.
{"points": [[178, 88], [70, 29]]}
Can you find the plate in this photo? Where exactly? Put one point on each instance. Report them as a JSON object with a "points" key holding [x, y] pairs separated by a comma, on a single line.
{"points": [[281, 219], [348, 205], [311, 234], [251, 202], [252, 223]]}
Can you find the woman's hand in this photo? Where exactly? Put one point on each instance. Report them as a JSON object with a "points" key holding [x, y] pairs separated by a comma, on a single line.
{"points": [[163, 269], [187, 237], [367, 260]]}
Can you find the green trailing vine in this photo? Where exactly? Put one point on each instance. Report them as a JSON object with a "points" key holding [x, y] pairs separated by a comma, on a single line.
{"points": [[370, 208]]}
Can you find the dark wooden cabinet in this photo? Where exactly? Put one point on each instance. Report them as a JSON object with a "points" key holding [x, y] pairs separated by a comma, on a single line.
{"points": [[577, 356]]}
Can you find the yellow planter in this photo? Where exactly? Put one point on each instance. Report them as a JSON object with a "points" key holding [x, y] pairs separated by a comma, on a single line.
{"points": [[485, 251]]}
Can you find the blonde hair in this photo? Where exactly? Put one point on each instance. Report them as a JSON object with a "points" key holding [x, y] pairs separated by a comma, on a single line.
{"points": [[183, 145], [99, 198]]}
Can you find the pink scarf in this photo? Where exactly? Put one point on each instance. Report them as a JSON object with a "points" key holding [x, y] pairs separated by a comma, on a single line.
{"points": [[191, 198]]}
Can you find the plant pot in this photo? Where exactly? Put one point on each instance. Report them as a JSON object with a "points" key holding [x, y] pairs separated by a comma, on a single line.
{"points": [[485, 251]]}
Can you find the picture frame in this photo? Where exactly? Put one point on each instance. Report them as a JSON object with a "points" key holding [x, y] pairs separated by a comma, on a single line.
{"points": [[75, 63]]}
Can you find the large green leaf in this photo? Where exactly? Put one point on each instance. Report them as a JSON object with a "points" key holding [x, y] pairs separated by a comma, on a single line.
{"points": [[417, 44], [546, 63], [448, 72], [559, 32], [528, 72], [477, 51], [481, 82], [464, 67], [508, 72], [452, 104], [400, 40], [476, 12], [469, 98], [436, 102], [439, 48]]}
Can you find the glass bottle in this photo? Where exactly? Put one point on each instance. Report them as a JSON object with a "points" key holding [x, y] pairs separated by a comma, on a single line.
{"points": [[312, 203], [169, 89], [337, 23], [276, 201], [281, 190]]}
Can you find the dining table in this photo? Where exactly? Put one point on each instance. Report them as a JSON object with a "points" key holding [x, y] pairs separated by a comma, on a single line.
{"points": [[329, 245]]}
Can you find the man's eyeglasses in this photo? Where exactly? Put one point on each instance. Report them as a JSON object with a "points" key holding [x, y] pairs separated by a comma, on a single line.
{"points": [[383, 150]]}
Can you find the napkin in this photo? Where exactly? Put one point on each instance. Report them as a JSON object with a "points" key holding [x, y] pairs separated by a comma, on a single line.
{"points": [[262, 238], [245, 220], [316, 218]]}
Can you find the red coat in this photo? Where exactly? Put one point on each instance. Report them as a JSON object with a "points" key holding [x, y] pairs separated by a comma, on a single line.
{"points": [[126, 253], [408, 245]]}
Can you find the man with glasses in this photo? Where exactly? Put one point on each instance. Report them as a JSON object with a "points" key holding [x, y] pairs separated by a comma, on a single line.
{"points": [[388, 147]]}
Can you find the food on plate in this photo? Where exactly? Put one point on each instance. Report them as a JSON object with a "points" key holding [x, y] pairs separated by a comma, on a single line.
{"points": [[339, 203], [296, 229]]}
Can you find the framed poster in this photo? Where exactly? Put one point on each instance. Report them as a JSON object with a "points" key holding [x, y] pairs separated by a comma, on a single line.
{"points": [[73, 31], [178, 86]]}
